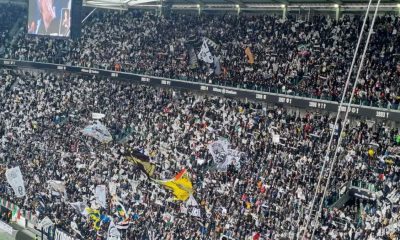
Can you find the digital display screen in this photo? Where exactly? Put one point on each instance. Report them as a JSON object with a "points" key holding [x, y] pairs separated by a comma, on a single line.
{"points": [[49, 17]]}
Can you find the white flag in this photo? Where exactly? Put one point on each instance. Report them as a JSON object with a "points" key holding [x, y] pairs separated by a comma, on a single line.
{"points": [[191, 201], [79, 207], [60, 235], [97, 131], [211, 42], [74, 228], [184, 209], [14, 178], [100, 195], [45, 223], [217, 65], [57, 186], [112, 187], [98, 115], [195, 212], [113, 233], [275, 138], [205, 53]]}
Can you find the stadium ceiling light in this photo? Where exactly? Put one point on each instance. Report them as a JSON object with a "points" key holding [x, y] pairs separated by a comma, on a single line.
{"points": [[398, 5], [148, 6], [237, 6], [136, 2], [198, 5], [283, 5], [336, 5], [363, 6], [105, 5], [258, 5]]}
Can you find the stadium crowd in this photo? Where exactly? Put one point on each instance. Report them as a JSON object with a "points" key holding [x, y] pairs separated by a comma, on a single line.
{"points": [[7, 14], [266, 195], [308, 58]]}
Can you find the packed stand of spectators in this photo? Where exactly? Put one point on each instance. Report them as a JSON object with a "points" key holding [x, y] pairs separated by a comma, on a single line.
{"points": [[267, 195], [294, 57], [7, 22]]}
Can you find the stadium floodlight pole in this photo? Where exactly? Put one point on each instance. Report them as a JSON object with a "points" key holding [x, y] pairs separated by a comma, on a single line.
{"points": [[88, 15], [326, 157], [371, 29]]}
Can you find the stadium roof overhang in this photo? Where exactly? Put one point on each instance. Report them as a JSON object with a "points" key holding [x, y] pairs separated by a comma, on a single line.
{"points": [[227, 5], [234, 4]]}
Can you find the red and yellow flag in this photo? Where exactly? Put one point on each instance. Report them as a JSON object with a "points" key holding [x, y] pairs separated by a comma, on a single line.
{"points": [[180, 185]]}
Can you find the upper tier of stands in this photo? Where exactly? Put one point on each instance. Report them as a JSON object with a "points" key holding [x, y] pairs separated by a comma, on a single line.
{"points": [[293, 57]]}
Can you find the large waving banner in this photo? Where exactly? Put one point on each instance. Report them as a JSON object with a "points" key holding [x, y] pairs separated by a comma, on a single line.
{"points": [[205, 53], [180, 185], [223, 156], [219, 151], [234, 157], [97, 131], [14, 178]]}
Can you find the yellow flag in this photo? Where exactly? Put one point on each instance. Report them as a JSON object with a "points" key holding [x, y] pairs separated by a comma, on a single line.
{"points": [[250, 56], [95, 216], [180, 185], [371, 152], [248, 205]]}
